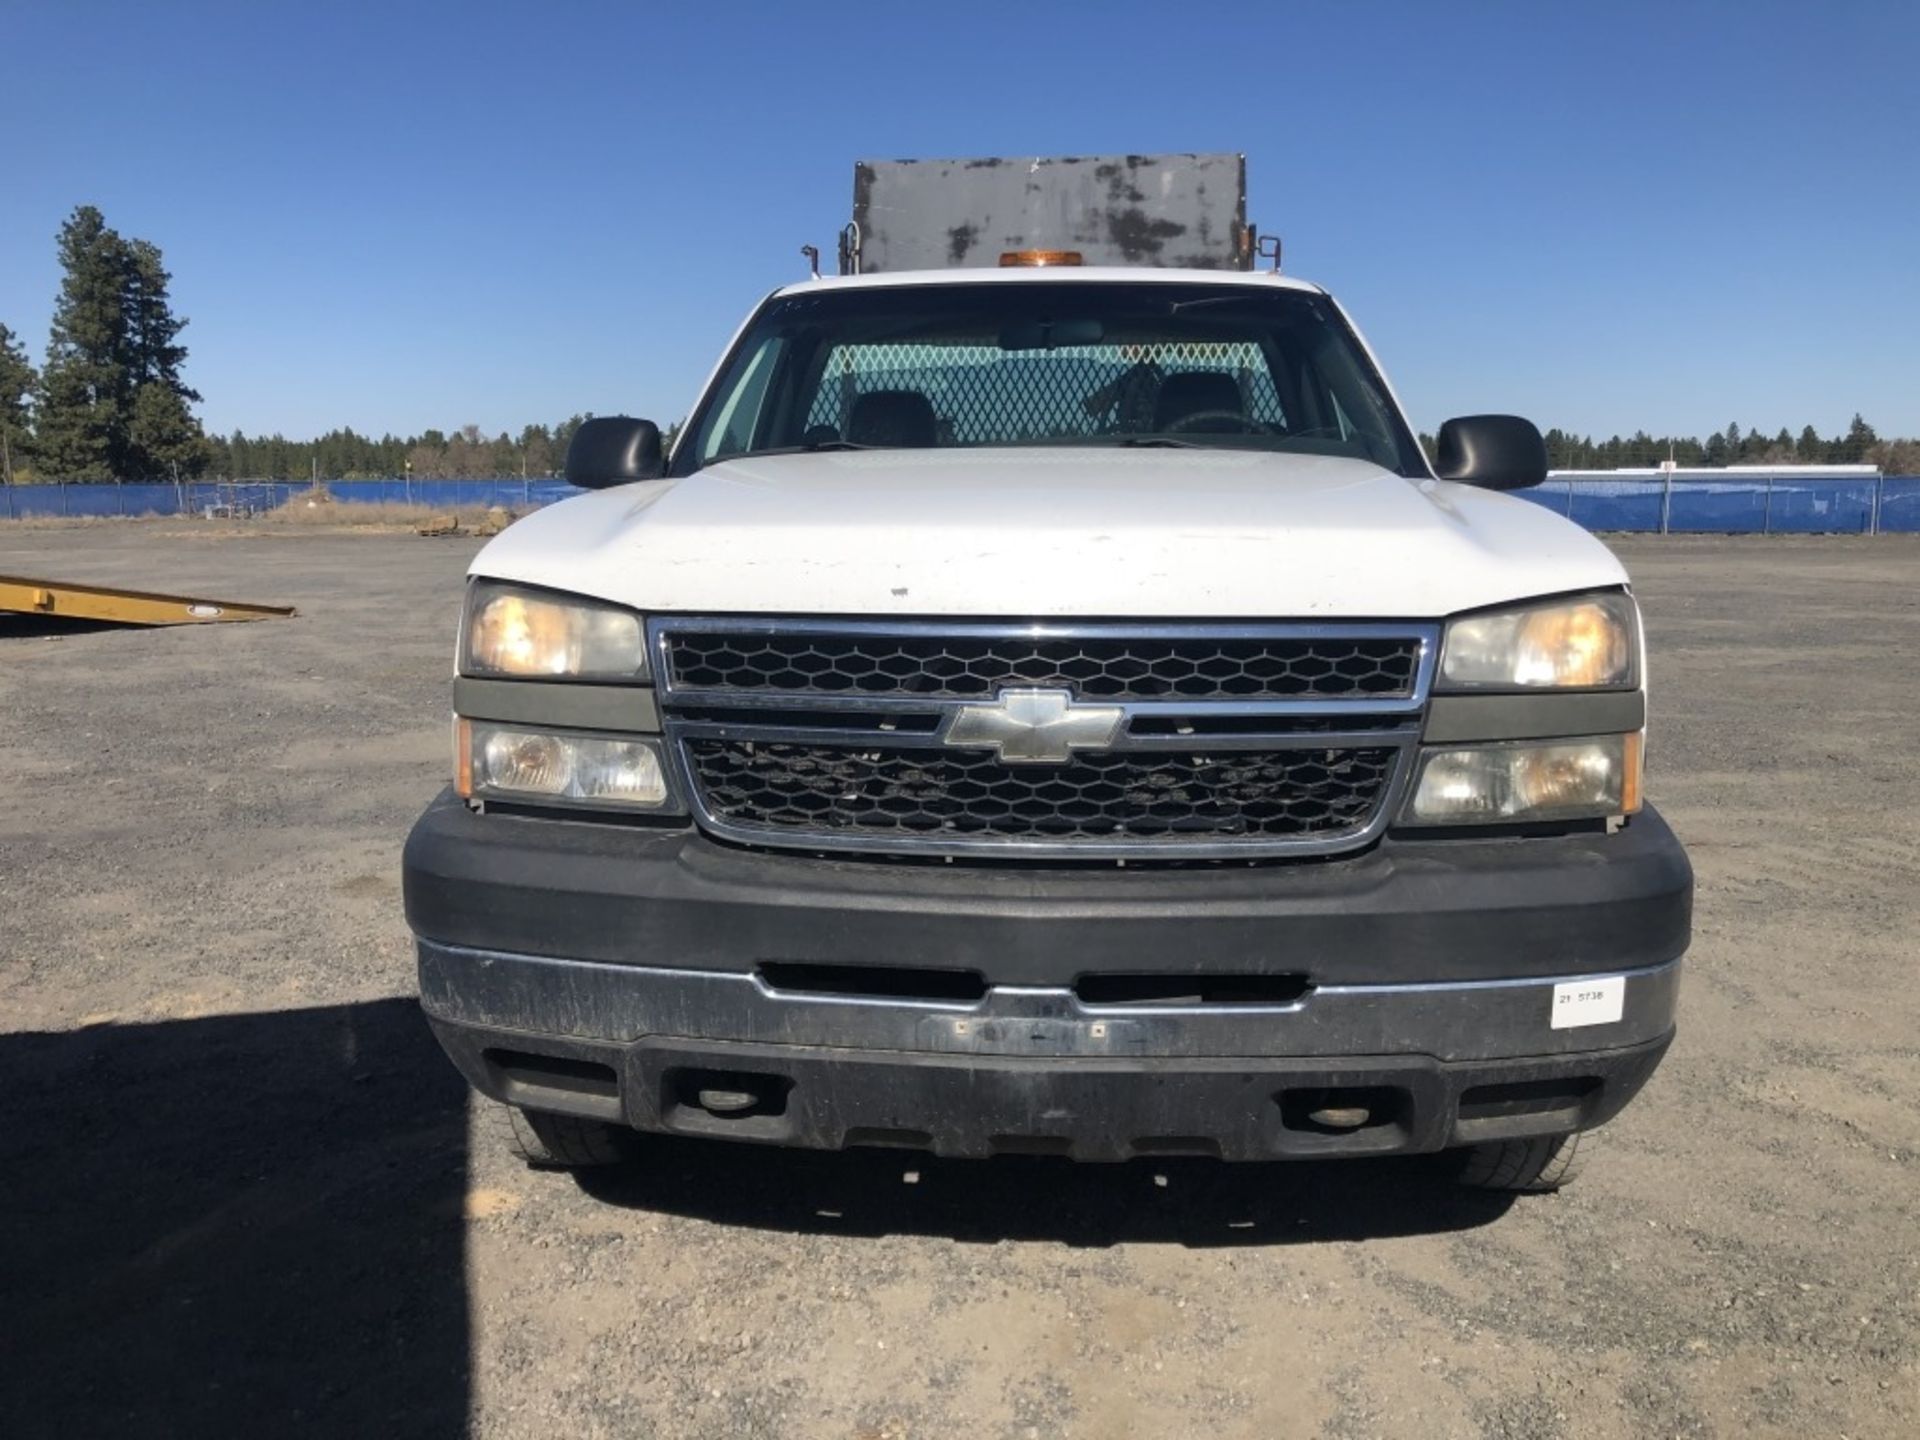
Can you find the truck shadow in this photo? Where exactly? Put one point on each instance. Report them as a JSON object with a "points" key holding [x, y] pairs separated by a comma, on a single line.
{"points": [[253, 1224], [1193, 1202], [242, 1225]]}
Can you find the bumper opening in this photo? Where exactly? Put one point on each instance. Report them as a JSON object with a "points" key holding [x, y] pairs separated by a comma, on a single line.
{"points": [[1190, 989], [555, 1072], [873, 982], [1490, 1112], [555, 1082]]}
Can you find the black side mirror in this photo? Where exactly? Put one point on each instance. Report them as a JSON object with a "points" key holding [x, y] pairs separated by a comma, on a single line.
{"points": [[612, 450], [1495, 452]]}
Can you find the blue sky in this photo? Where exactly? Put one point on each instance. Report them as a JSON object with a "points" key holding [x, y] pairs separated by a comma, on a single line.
{"points": [[408, 215]]}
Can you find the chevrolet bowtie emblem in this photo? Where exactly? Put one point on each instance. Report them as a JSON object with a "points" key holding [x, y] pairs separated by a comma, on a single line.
{"points": [[1036, 727]]}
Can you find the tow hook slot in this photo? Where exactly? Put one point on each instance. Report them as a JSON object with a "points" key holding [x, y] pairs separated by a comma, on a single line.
{"points": [[731, 1102], [1366, 1117]]}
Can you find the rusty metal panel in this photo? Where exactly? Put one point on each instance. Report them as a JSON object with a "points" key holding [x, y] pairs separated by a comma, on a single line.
{"points": [[1177, 211]]}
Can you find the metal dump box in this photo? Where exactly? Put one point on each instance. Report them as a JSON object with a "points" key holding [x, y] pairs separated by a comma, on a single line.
{"points": [[1177, 211]]}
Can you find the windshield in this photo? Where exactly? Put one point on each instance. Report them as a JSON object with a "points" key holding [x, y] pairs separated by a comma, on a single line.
{"points": [[1069, 363]]}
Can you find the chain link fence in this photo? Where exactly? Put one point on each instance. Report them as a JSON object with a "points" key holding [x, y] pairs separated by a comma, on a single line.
{"points": [[1697, 502]]}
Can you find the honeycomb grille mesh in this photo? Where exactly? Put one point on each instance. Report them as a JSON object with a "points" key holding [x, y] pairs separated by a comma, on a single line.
{"points": [[1156, 797], [1093, 668]]}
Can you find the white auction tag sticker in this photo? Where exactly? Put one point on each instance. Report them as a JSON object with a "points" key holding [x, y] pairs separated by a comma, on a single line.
{"points": [[1589, 1002]]}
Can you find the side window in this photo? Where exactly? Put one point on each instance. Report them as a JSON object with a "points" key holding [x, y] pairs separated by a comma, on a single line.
{"points": [[730, 429]]}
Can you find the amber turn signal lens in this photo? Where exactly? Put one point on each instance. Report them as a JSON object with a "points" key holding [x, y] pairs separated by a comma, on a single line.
{"points": [[463, 758]]}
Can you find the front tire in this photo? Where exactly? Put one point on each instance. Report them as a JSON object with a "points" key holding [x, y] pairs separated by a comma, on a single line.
{"points": [[545, 1139], [1534, 1166]]}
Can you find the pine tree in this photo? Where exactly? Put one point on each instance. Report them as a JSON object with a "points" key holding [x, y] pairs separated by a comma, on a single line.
{"points": [[536, 450], [17, 386], [1861, 437], [153, 331], [85, 396], [113, 403], [163, 438]]}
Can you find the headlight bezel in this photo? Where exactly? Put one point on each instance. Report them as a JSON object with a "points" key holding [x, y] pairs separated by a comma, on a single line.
{"points": [[1616, 604], [483, 591]]}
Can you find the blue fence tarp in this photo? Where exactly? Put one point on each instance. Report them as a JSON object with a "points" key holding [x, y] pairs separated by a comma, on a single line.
{"points": [[23, 502], [1749, 504]]}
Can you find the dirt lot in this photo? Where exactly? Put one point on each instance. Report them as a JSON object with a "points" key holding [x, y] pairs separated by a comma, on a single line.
{"points": [[243, 1193]]}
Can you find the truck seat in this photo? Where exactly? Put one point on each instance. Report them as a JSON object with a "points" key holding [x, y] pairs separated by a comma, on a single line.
{"points": [[895, 419], [1197, 392]]}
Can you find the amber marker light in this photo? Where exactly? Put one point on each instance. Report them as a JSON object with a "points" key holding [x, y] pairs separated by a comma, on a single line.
{"points": [[1630, 773], [463, 757], [1009, 258]]}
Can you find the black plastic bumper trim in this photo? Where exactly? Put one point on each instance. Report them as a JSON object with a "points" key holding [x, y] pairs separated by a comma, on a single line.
{"points": [[1088, 1109]]}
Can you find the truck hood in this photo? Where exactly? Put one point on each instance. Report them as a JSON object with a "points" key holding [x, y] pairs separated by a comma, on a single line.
{"points": [[1037, 533]]}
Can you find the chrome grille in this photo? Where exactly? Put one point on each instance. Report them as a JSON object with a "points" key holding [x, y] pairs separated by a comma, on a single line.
{"points": [[1103, 667], [1232, 740]]}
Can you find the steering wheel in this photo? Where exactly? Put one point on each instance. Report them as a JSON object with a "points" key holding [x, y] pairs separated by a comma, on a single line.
{"points": [[1246, 423]]}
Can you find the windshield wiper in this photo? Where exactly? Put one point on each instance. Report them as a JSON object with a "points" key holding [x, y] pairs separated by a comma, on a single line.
{"points": [[1161, 442], [807, 449]]}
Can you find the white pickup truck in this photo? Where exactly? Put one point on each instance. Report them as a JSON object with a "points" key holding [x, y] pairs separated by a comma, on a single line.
{"points": [[1050, 707]]}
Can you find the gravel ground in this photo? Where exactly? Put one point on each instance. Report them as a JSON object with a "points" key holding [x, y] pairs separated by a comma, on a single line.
{"points": [[243, 1192]]}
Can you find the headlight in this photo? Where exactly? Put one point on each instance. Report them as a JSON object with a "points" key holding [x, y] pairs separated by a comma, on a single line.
{"points": [[1512, 784], [512, 631], [511, 763], [1592, 642]]}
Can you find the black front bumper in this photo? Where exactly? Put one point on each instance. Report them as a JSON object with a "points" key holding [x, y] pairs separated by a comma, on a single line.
{"points": [[1402, 911], [614, 972]]}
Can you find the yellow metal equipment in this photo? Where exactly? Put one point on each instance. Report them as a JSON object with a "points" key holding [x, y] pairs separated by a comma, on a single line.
{"points": [[125, 607]]}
